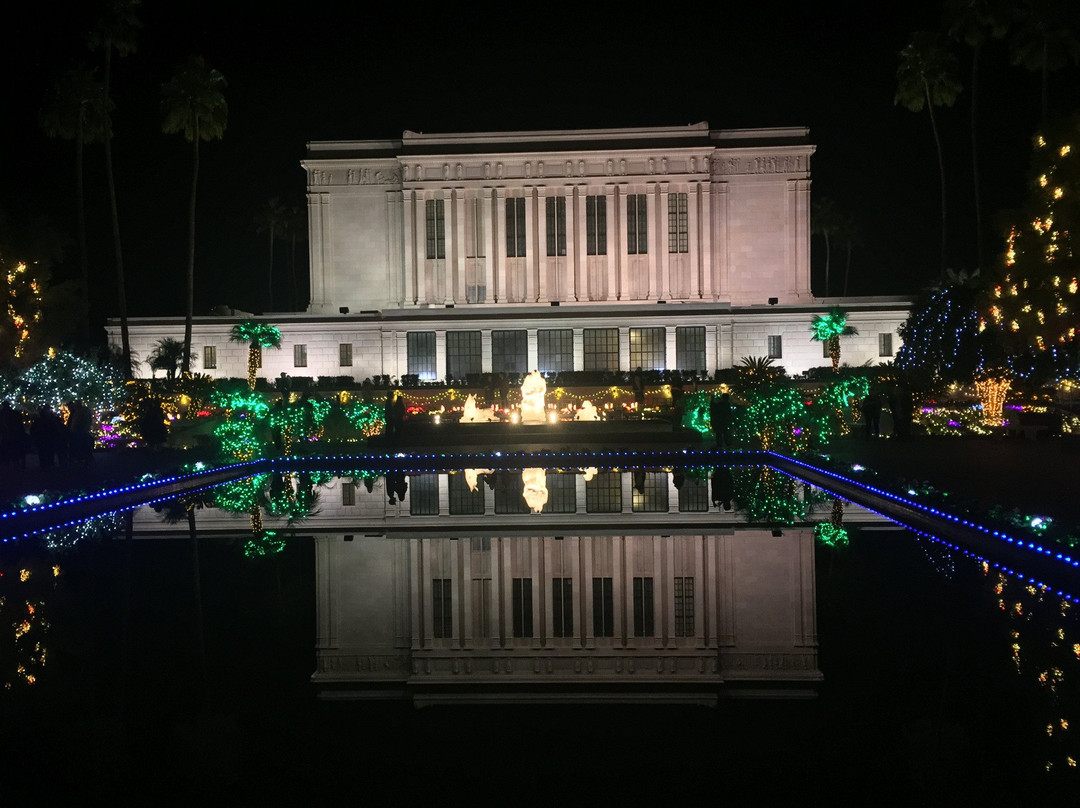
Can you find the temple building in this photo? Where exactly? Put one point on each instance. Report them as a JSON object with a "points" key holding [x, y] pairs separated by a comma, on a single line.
{"points": [[448, 256]]}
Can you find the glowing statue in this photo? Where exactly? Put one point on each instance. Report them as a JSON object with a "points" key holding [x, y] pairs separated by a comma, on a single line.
{"points": [[471, 477], [533, 390], [587, 412], [535, 488], [474, 415]]}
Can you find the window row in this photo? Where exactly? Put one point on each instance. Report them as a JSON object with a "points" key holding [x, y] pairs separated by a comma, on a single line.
{"points": [[554, 350], [776, 346], [300, 356], [562, 607], [637, 226]]}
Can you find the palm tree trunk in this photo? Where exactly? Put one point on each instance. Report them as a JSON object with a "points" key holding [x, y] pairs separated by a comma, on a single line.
{"points": [[975, 157], [828, 255], [941, 172], [270, 274], [292, 270], [191, 255], [847, 268], [121, 290]]}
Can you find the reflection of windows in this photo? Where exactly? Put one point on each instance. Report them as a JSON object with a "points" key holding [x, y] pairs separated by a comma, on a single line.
{"points": [[348, 493], [463, 354], [424, 494], [510, 492], [825, 349], [678, 239], [436, 232], [637, 225], [694, 495], [420, 350], [603, 493], [555, 350], [462, 499], [209, 357], [684, 606], [299, 356], [690, 347], [442, 612], [345, 355], [603, 608], [601, 349], [515, 227], [595, 225], [650, 492], [562, 607], [521, 596], [509, 351], [884, 345], [643, 607], [776, 347], [556, 225], [648, 348], [562, 493]]}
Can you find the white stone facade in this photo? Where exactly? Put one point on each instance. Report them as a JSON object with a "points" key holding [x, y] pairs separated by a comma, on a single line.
{"points": [[612, 234]]}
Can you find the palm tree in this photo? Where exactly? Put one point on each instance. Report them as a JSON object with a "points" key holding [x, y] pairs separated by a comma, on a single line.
{"points": [[77, 108], [271, 219], [829, 328], [825, 221], [167, 355], [1044, 40], [295, 230], [848, 233], [194, 106], [976, 22], [258, 336], [116, 29], [927, 78]]}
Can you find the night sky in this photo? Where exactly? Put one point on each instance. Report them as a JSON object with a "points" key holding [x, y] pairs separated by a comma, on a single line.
{"points": [[324, 71]]}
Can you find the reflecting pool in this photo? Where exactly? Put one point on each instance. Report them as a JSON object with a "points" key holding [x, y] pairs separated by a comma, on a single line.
{"points": [[305, 634]]}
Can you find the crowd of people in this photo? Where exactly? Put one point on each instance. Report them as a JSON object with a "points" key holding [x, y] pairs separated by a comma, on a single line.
{"points": [[54, 437]]}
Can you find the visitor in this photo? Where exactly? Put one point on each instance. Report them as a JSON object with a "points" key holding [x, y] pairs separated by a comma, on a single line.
{"points": [[871, 413], [14, 442], [80, 432], [720, 413], [396, 487], [723, 488], [152, 422], [637, 381], [901, 405], [47, 431]]}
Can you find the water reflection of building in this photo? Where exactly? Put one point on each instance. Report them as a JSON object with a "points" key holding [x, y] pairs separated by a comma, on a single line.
{"points": [[609, 617]]}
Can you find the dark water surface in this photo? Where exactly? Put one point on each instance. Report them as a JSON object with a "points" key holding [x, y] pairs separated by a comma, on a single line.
{"points": [[922, 697]]}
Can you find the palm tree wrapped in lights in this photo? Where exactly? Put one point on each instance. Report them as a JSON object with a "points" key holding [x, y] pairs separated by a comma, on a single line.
{"points": [[258, 336], [828, 328]]}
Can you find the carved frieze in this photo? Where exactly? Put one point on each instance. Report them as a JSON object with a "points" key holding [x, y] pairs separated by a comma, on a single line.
{"points": [[358, 175], [722, 165]]}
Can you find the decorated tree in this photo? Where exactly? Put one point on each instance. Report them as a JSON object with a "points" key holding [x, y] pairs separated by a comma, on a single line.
{"points": [[258, 336], [828, 328], [1034, 305], [22, 297]]}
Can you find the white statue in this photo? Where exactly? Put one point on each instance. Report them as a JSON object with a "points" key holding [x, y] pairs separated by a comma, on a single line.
{"points": [[473, 414], [471, 477], [587, 412], [533, 390], [535, 488]]}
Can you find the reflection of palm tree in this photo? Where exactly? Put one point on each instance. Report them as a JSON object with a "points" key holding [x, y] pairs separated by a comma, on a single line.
{"points": [[77, 108], [829, 328], [258, 336], [116, 30], [927, 78], [194, 106], [1044, 40]]}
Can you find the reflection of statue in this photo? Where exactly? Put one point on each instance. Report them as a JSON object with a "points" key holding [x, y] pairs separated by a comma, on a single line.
{"points": [[472, 474], [473, 414], [533, 390], [587, 412], [589, 473], [535, 488]]}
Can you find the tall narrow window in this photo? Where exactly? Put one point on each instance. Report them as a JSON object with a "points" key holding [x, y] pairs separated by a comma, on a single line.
{"points": [[556, 225], [643, 607], [209, 357], [509, 351], [442, 611], [424, 497], [348, 493], [648, 348], [521, 594], [555, 350], [299, 356], [562, 607], [600, 349], [345, 355], [678, 237], [436, 230], [596, 225], [637, 225], [684, 606], [463, 354], [690, 347], [603, 493], [515, 227], [650, 492], [603, 608], [884, 345], [420, 354], [776, 347]]}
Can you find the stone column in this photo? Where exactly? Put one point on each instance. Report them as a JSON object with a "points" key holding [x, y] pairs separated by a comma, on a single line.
{"points": [[612, 257], [705, 238], [721, 257], [542, 258], [498, 254], [621, 254], [660, 244], [395, 260], [319, 253], [455, 257]]}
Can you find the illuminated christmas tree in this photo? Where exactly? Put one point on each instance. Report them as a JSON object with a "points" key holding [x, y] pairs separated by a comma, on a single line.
{"points": [[1034, 304]]}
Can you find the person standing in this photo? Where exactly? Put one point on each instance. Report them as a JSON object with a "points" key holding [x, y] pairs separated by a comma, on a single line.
{"points": [[720, 417]]}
